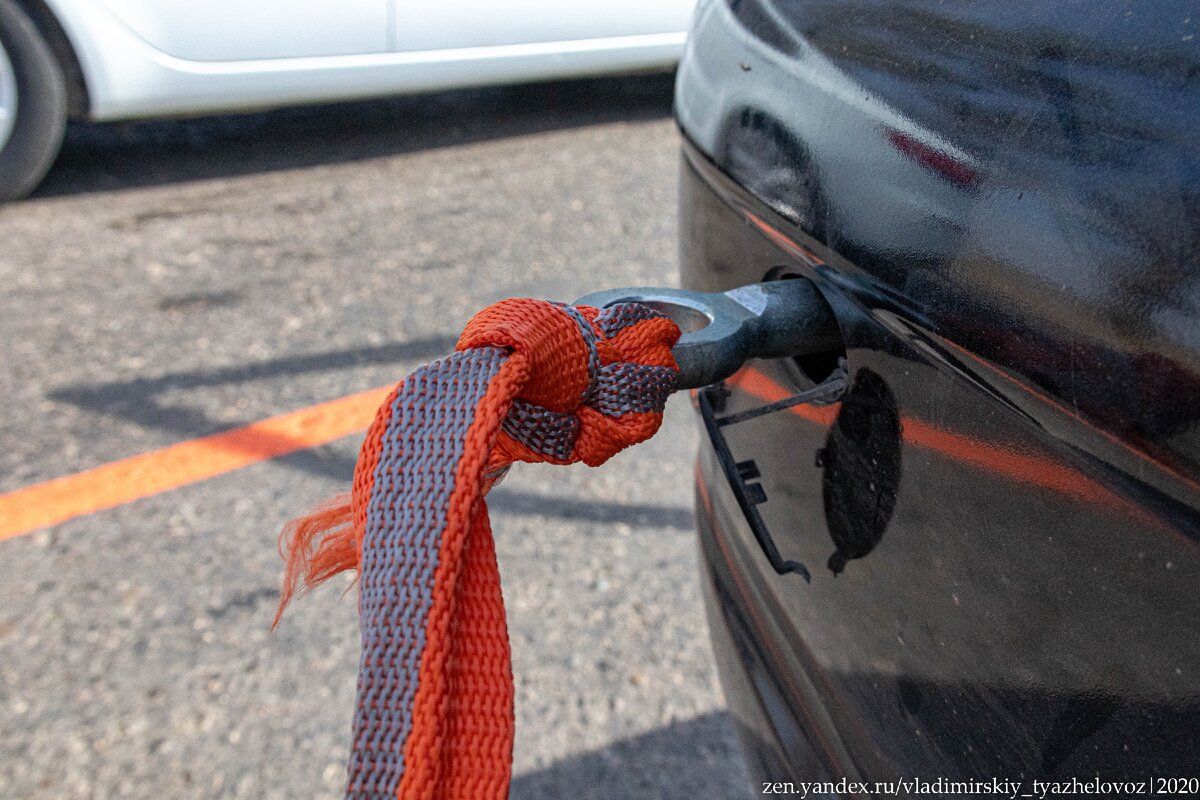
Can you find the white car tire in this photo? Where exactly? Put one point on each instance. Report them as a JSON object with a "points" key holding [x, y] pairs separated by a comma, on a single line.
{"points": [[33, 104]]}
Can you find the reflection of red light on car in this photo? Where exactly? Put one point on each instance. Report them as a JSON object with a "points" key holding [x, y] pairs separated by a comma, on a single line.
{"points": [[931, 158]]}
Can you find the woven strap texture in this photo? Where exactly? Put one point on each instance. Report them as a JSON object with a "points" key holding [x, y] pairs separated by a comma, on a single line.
{"points": [[531, 381]]}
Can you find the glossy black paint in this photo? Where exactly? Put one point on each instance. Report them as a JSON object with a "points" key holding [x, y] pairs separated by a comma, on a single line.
{"points": [[1001, 202]]}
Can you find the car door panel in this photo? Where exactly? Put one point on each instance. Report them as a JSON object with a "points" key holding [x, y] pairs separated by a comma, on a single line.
{"points": [[244, 30], [482, 23]]}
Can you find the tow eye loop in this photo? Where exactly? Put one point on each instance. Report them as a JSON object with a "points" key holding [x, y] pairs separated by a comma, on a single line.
{"points": [[531, 381]]}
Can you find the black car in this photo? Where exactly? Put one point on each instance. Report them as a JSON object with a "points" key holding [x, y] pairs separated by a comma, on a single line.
{"points": [[999, 510]]}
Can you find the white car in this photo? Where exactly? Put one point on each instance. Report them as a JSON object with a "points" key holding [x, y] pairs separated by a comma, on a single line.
{"points": [[122, 59]]}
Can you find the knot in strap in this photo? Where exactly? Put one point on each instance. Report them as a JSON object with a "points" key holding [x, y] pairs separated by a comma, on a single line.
{"points": [[531, 381], [596, 382]]}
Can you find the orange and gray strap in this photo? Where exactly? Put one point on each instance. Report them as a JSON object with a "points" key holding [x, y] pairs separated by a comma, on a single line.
{"points": [[531, 381]]}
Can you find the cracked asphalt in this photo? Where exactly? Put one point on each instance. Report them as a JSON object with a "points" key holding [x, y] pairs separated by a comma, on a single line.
{"points": [[173, 279]]}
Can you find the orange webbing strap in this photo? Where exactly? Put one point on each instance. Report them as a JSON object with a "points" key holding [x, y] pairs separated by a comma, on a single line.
{"points": [[530, 381]]}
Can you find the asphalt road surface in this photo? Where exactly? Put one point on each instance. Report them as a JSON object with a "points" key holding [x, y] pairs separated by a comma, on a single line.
{"points": [[175, 279]]}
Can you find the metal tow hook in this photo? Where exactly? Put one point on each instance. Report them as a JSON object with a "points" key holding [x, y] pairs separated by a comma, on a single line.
{"points": [[723, 330], [720, 332]]}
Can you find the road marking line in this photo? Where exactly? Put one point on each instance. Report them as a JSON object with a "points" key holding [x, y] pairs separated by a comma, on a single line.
{"points": [[108, 485]]}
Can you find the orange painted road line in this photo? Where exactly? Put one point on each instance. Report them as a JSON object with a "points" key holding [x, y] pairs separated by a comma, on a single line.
{"points": [[58, 500]]}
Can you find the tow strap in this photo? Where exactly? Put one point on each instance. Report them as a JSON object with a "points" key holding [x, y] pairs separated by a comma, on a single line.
{"points": [[530, 381]]}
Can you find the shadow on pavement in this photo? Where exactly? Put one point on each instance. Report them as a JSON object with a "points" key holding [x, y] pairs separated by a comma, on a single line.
{"points": [[641, 515], [682, 761], [135, 395], [137, 400], [105, 157]]}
